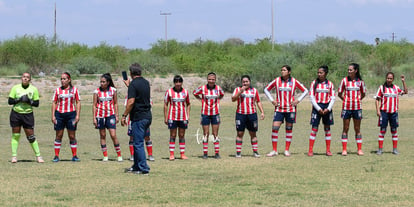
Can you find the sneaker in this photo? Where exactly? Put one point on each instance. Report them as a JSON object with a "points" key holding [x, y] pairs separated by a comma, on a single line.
{"points": [[105, 159], [172, 158], [287, 153], [238, 154], [344, 153], [360, 153], [395, 151], [39, 159], [328, 153], [310, 154], [256, 154], [56, 159], [120, 159], [75, 159], [14, 160], [272, 154], [183, 157], [379, 152], [130, 170], [205, 156], [217, 156], [131, 158], [151, 158], [141, 173]]}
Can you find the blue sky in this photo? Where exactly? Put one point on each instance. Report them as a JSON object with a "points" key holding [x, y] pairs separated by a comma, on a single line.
{"points": [[138, 23]]}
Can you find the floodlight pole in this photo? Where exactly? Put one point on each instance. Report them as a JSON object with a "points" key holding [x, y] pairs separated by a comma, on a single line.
{"points": [[166, 14], [273, 28]]}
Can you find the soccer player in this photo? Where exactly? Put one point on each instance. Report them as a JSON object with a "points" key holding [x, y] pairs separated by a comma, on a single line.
{"points": [[105, 114], [210, 96], [176, 115], [247, 98], [66, 108], [285, 106], [322, 96], [387, 110], [23, 97], [351, 91]]}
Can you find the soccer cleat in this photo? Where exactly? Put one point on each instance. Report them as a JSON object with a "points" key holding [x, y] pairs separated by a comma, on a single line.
{"points": [[238, 154], [119, 159], [172, 158], [205, 156], [287, 153], [39, 159], [75, 159], [344, 153], [14, 160], [272, 153], [131, 158], [379, 152], [183, 157], [151, 158], [310, 154], [217, 156], [105, 159], [360, 153], [56, 159], [328, 153], [256, 154], [395, 151]]}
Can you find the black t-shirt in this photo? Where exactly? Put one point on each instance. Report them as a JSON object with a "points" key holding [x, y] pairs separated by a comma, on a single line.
{"points": [[139, 88]]}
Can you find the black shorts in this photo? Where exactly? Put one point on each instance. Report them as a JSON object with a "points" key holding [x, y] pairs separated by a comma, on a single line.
{"points": [[25, 120]]}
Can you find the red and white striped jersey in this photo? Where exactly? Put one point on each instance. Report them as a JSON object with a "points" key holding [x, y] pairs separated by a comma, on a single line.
{"points": [[210, 102], [105, 102], [352, 90], [66, 99], [389, 98], [285, 93], [246, 102], [177, 101], [323, 91]]}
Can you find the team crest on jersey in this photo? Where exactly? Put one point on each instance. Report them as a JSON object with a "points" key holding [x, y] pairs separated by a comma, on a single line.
{"points": [[358, 84], [290, 83]]}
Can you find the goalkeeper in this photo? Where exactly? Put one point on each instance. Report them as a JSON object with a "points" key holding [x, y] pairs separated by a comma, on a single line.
{"points": [[23, 97]]}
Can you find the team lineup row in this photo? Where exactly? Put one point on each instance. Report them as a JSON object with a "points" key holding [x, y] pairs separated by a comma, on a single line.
{"points": [[66, 108]]}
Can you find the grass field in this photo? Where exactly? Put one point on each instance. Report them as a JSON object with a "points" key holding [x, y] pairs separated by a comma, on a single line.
{"points": [[370, 180]]}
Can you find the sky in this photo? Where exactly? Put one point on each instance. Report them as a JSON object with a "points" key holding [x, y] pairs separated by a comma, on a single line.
{"points": [[139, 23]]}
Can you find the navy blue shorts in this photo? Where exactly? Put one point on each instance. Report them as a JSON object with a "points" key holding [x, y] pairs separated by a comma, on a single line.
{"points": [[392, 118], [290, 117], [355, 114], [147, 133], [210, 119], [327, 119], [248, 121], [106, 122], [65, 120], [177, 124]]}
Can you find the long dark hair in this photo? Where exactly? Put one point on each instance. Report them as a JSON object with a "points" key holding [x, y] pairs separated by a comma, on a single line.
{"points": [[385, 83], [288, 68], [317, 81], [356, 67], [108, 78], [70, 79]]}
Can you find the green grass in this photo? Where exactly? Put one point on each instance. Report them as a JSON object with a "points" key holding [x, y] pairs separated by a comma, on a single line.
{"points": [[299, 180]]}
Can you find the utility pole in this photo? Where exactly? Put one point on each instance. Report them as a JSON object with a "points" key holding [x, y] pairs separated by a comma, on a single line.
{"points": [[273, 29], [166, 14], [54, 34], [393, 37]]}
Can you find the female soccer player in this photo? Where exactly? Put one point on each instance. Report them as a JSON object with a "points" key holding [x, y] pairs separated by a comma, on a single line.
{"points": [[387, 110], [176, 114], [23, 97], [285, 106], [247, 98], [210, 96], [66, 108], [105, 114], [351, 91], [322, 96]]}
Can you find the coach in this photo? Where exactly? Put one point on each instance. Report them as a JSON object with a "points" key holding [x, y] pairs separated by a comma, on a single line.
{"points": [[139, 109]]}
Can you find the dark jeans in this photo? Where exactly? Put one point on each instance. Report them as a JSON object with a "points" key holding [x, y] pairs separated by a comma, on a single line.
{"points": [[138, 132]]}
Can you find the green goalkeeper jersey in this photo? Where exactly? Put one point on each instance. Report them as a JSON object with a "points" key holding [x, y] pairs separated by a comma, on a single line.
{"points": [[18, 91]]}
